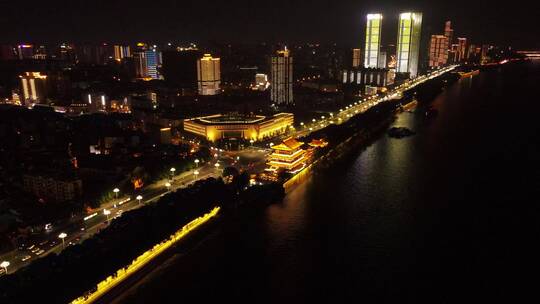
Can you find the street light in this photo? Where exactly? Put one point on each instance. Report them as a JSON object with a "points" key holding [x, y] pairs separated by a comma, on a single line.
{"points": [[196, 173], [217, 166], [107, 212], [116, 190], [62, 236], [197, 162], [172, 172], [139, 198], [4, 265], [168, 185]]}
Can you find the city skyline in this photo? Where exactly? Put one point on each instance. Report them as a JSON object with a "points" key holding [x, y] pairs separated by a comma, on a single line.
{"points": [[249, 151], [73, 21]]}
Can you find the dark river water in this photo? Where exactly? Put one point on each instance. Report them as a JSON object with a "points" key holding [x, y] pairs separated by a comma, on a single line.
{"points": [[446, 216]]}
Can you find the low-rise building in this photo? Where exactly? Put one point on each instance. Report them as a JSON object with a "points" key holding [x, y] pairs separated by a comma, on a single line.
{"points": [[248, 127], [59, 189], [288, 156], [368, 76]]}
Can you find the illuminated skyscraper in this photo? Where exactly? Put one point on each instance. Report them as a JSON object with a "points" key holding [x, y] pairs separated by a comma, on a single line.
{"points": [[121, 52], [281, 78], [152, 56], [140, 64], [356, 54], [373, 40], [438, 51], [408, 43], [462, 49], [208, 75], [449, 32], [33, 87]]}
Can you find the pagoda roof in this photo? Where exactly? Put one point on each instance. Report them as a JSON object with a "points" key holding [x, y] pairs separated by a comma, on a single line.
{"points": [[288, 144]]}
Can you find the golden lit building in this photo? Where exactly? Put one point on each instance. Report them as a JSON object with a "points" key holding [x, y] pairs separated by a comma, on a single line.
{"points": [[33, 87], [438, 51], [254, 127], [121, 52], [288, 155], [209, 75]]}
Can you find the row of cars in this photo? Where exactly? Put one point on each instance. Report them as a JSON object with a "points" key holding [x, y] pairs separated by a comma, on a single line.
{"points": [[41, 248]]}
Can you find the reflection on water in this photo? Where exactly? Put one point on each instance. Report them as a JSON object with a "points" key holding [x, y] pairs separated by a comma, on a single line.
{"points": [[433, 216]]}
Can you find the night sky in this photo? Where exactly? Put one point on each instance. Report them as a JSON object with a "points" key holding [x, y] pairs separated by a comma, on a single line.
{"points": [[237, 21]]}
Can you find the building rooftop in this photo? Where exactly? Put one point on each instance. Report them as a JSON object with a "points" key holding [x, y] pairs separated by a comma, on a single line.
{"points": [[234, 118], [288, 144]]}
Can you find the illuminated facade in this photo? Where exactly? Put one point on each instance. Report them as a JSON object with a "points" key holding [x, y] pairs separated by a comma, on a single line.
{"points": [[151, 57], [257, 127], [438, 51], [121, 52], [209, 75], [33, 87], [449, 33], [408, 43], [363, 76], [373, 40], [140, 64], [288, 156], [261, 82], [461, 54], [281, 78], [356, 54]]}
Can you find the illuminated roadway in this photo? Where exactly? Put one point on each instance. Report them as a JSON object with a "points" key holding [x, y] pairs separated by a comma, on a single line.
{"points": [[85, 226], [365, 104]]}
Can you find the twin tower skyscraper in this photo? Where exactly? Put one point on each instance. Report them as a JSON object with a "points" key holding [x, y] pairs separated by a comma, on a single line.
{"points": [[407, 47]]}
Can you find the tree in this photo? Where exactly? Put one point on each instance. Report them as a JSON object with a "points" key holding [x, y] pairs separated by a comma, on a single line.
{"points": [[230, 171]]}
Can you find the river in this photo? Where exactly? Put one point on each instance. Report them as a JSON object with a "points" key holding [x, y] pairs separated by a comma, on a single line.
{"points": [[448, 215]]}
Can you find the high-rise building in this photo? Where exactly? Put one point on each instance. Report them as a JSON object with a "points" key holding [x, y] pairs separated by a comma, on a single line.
{"points": [[140, 64], [408, 43], [356, 54], [208, 75], [281, 78], [152, 59], [33, 87], [449, 32], [93, 54], [461, 50], [180, 67], [373, 40], [438, 51], [121, 52], [473, 53]]}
